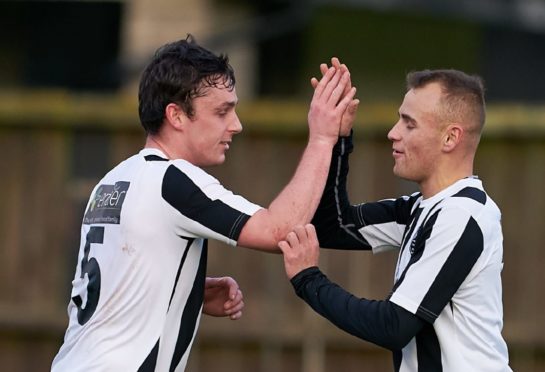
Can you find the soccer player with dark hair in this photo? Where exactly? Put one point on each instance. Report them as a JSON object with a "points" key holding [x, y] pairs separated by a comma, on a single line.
{"points": [[140, 283], [444, 312]]}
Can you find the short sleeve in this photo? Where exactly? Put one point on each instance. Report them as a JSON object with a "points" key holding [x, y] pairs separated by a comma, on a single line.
{"points": [[206, 208]]}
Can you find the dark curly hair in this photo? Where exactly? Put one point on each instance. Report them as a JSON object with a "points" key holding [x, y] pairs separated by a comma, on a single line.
{"points": [[179, 72]]}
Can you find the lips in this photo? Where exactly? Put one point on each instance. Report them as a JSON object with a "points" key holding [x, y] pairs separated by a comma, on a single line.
{"points": [[397, 153]]}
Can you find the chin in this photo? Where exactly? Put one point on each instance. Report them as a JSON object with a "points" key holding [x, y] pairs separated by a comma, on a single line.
{"points": [[216, 162], [396, 172], [403, 175]]}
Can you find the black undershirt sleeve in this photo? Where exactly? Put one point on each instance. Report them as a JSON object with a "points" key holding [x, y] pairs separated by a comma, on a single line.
{"points": [[380, 322], [336, 220]]}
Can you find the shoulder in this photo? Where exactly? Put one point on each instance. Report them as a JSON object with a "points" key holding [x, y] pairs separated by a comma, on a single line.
{"points": [[473, 201], [180, 173]]}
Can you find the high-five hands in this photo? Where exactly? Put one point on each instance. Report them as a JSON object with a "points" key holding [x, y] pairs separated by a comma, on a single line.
{"points": [[349, 115], [332, 96], [301, 249]]}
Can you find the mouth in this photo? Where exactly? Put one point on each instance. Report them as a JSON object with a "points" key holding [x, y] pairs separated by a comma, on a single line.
{"points": [[227, 144], [396, 153]]}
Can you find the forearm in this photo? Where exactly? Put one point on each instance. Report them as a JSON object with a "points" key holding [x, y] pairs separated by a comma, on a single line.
{"points": [[295, 204], [380, 322], [336, 219]]}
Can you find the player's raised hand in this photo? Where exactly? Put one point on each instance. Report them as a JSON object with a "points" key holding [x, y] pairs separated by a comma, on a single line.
{"points": [[223, 297], [301, 249], [349, 115], [329, 104]]}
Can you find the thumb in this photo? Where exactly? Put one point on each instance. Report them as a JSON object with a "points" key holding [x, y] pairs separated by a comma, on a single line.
{"points": [[215, 282], [233, 288]]}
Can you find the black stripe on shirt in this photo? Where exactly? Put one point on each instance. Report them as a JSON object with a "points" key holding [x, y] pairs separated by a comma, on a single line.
{"points": [[409, 228], [428, 350], [454, 271], [472, 193], [397, 356], [182, 193], [398, 210], [191, 311], [151, 360], [417, 245], [154, 158], [188, 243]]}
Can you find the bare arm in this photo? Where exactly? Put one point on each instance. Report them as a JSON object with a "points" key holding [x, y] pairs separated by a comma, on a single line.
{"points": [[296, 204]]}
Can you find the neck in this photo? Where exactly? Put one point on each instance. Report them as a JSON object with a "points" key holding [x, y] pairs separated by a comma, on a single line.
{"points": [[441, 181], [156, 143]]}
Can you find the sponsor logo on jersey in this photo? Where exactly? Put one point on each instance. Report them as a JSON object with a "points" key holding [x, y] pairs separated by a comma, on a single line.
{"points": [[106, 204]]}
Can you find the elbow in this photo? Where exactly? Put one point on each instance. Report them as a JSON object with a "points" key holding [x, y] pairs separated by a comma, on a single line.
{"points": [[398, 341], [400, 327]]}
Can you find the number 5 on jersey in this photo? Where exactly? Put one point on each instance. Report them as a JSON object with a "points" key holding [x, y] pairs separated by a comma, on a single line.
{"points": [[89, 267]]}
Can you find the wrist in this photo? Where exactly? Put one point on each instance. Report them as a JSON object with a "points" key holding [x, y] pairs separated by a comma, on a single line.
{"points": [[346, 133], [298, 279], [326, 143]]}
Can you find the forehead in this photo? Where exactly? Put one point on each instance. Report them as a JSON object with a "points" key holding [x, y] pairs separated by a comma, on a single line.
{"points": [[422, 101], [217, 95]]}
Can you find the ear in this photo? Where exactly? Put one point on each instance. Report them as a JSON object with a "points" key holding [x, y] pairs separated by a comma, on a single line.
{"points": [[452, 137], [175, 116]]}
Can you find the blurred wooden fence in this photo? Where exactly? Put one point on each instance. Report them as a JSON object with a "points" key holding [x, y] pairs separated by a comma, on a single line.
{"points": [[55, 147]]}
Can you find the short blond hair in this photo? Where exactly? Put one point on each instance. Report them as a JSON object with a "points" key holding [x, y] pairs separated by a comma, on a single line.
{"points": [[463, 95]]}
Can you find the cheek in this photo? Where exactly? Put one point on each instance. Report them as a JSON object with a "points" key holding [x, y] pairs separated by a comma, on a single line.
{"points": [[425, 154], [417, 156]]}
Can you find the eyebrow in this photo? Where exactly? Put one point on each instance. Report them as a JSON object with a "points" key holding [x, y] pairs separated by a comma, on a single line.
{"points": [[226, 106], [407, 118]]}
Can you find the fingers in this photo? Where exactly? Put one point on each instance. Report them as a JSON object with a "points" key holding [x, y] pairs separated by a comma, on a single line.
{"points": [[301, 250], [231, 285], [342, 67], [337, 81], [348, 118], [284, 246], [346, 100], [236, 315], [324, 68], [335, 63], [339, 90], [323, 83], [331, 81], [233, 307], [353, 106], [312, 237], [300, 236]]}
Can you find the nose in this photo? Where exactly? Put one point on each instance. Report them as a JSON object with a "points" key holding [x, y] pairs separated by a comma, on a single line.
{"points": [[236, 125], [393, 134]]}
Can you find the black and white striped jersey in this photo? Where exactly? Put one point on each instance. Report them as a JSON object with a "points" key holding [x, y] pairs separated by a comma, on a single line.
{"points": [[448, 272], [138, 289]]}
